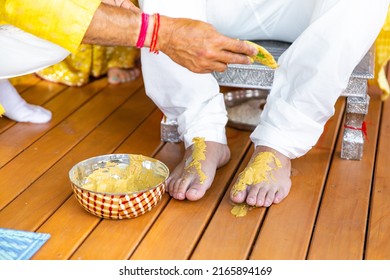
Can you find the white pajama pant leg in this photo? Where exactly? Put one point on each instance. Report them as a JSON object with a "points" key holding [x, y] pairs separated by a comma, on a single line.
{"points": [[329, 37], [22, 53], [193, 99], [314, 72]]}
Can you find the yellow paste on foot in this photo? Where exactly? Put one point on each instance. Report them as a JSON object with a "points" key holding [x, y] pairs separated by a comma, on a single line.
{"points": [[2, 111], [240, 210], [122, 178], [256, 172], [198, 154]]}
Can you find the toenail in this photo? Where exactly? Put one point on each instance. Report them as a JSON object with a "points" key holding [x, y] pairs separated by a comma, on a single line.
{"points": [[238, 195], [192, 191], [260, 203]]}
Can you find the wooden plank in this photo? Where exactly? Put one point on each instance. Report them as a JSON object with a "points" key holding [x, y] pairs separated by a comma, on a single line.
{"points": [[378, 242], [182, 229], [178, 229], [66, 233], [228, 237], [22, 83], [53, 188], [341, 224], [38, 94], [297, 214], [127, 232], [42, 92], [19, 137], [109, 136], [148, 132], [48, 149], [5, 123]]}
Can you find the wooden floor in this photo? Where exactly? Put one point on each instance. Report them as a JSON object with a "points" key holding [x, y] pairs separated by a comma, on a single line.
{"points": [[337, 209]]}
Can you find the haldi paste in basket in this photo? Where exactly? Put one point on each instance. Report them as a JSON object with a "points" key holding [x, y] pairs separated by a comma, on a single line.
{"points": [[122, 178]]}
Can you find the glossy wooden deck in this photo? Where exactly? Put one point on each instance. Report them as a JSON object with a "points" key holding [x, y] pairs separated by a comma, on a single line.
{"points": [[337, 209]]}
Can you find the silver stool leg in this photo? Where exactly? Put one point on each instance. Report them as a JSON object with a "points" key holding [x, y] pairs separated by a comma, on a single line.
{"points": [[354, 129], [169, 131]]}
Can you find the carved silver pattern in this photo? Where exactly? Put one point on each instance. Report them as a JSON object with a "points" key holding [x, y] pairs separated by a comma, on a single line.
{"points": [[261, 77], [352, 144]]}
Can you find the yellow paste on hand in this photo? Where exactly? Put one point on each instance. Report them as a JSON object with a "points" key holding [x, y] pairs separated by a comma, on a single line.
{"points": [[263, 56], [122, 178], [198, 154], [256, 172], [2, 111]]}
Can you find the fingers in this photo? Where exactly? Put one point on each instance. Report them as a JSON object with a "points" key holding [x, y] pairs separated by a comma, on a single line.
{"points": [[212, 60], [218, 66], [236, 52], [240, 47], [234, 58], [224, 51], [210, 67], [218, 54]]}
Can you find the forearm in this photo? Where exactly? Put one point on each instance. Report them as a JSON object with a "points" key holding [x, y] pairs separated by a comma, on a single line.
{"points": [[115, 26]]}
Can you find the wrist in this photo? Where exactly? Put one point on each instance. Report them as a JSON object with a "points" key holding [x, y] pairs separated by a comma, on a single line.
{"points": [[149, 32], [165, 33]]}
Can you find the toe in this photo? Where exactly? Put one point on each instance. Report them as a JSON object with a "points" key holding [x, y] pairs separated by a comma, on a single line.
{"points": [[238, 197], [114, 80], [279, 196], [253, 195], [169, 186], [269, 198], [261, 196], [180, 189]]}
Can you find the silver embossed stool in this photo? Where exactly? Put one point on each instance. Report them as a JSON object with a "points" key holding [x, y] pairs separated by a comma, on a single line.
{"points": [[257, 80]]}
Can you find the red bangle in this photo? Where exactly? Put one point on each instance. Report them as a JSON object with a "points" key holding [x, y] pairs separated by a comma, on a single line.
{"points": [[156, 28], [143, 31]]}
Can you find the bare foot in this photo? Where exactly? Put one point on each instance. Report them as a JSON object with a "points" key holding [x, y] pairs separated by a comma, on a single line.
{"points": [[185, 183], [265, 181], [119, 75]]}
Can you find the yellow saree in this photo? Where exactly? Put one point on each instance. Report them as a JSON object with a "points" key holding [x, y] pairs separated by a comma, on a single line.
{"points": [[382, 57]]}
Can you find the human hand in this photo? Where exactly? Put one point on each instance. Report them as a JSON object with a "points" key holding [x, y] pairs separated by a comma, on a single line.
{"points": [[197, 46]]}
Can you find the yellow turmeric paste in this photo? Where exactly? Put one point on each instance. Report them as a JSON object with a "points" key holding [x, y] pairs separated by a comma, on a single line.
{"points": [[256, 172], [198, 154], [122, 178], [240, 210]]}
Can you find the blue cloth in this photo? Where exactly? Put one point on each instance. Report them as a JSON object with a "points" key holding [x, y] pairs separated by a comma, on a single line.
{"points": [[19, 244]]}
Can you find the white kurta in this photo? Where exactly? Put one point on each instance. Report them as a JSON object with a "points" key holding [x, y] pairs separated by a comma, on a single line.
{"points": [[329, 37], [22, 53]]}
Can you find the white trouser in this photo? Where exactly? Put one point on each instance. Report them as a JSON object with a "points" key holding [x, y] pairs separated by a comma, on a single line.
{"points": [[22, 53], [329, 38]]}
